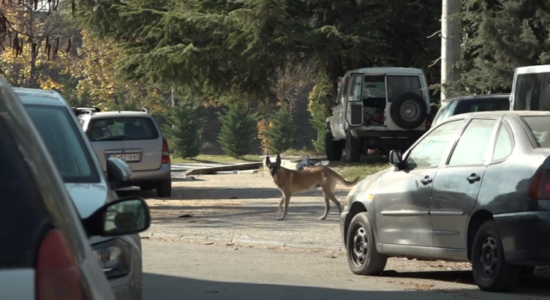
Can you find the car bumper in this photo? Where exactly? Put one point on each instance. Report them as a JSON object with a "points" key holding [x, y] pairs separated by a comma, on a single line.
{"points": [[343, 217], [525, 237], [160, 174]]}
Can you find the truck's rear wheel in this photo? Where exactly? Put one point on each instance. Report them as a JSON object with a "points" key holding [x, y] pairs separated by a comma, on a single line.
{"points": [[353, 147], [333, 149]]}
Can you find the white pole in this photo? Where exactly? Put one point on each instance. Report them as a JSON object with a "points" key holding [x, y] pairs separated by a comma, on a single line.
{"points": [[451, 36]]}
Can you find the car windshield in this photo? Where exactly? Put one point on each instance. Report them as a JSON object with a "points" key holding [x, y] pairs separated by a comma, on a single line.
{"points": [[531, 92], [539, 126], [122, 129], [64, 143]]}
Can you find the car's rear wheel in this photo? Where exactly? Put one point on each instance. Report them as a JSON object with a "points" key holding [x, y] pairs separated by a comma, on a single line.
{"points": [[353, 147], [491, 271], [333, 149], [363, 258], [164, 188]]}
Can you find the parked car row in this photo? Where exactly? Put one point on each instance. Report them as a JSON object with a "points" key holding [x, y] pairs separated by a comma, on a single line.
{"points": [[69, 229]]}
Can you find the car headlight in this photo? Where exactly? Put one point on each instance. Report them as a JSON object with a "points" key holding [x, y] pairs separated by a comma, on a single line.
{"points": [[114, 257]]}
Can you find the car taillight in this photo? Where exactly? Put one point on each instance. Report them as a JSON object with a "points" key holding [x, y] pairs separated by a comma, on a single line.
{"points": [[57, 274], [540, 186], [165, 152]]}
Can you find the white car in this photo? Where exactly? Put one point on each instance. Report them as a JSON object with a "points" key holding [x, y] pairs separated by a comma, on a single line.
{"points": [[120, 257], [45, 254]]}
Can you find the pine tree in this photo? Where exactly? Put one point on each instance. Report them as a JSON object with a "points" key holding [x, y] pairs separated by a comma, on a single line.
{"points": [[499, 36], [183, 129], [280, 134], [238, 133]]}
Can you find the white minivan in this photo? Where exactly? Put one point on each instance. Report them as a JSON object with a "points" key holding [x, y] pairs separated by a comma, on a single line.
{"points": [[531, 88]]}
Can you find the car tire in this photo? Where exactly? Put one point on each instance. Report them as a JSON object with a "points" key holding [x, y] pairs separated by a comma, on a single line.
{"points": [[363, 258], [491, 271], [353, 148], [398, 111], [333, 149], [164, 188]]}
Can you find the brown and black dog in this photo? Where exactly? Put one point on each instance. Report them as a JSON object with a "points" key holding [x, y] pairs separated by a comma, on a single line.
{"points": [[296, 181]]}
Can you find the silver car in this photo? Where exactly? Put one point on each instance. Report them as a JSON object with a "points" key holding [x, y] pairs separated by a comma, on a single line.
{"points": [[134, 137], [46, 254], [121, 257]]}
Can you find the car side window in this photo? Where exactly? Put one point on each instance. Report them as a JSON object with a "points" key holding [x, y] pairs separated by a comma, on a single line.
{"points": [[473, 144], [428, 152], [504, 144]]}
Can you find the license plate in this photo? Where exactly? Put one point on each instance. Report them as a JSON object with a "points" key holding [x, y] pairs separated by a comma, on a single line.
{"points": [[126, 157]]}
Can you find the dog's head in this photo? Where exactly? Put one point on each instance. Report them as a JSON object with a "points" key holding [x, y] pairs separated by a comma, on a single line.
{"points": [[273, 167]]}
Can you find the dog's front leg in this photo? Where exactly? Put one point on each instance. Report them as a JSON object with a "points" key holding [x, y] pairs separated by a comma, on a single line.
{"points": [[286, 199], [280, 207]]}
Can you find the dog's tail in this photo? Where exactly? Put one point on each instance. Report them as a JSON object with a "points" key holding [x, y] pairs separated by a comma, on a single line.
{"points": [[345, 182]]}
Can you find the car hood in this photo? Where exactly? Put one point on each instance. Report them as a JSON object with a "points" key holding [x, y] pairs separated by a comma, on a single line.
{"points": [[88, 197]]}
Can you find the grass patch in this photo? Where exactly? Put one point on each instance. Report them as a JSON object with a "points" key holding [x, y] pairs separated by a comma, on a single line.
{"points": [[369, 165], [218, 159], [300, 152]]}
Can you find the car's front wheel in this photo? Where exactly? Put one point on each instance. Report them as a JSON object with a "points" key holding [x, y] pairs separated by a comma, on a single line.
{"points": [[164, 188], [363, 258], [491, 271]]}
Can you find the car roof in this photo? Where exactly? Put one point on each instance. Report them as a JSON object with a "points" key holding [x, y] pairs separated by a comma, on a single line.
{"points": [[533, 69], [480, 97], [48, 97], [500, 113], [388, 70], [117, 114]]}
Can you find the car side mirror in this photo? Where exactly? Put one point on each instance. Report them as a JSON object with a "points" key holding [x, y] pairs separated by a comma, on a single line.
{"points": [[118, 172], [396, 158], [124, 216]]}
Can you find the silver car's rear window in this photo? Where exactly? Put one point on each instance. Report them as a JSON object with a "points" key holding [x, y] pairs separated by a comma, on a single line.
{"points": [[64, 143], [122, 129], [540, 128]]}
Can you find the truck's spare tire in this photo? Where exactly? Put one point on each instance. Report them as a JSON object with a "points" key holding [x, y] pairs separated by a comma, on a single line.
{"points": [[408, 111]]}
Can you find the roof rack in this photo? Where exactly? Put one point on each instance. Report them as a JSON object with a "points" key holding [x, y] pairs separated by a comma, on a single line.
{"points": [[144, 109], [85, 110]]}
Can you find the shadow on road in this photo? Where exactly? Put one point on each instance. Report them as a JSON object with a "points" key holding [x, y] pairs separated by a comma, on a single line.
{"points": [[187, 193], [172, 288], [532, 285]]}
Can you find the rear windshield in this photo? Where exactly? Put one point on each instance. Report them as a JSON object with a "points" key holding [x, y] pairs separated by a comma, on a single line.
{"points": [[539, 126], [122, 129], [531, 92], [490, 104], [64, 142]]}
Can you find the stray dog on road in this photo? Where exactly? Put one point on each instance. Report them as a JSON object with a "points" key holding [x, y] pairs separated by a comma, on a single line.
{"points": [[294, 181]]}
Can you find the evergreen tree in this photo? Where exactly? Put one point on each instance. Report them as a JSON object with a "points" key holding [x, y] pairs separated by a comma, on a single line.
{"points": [[235, 48], [281, 132], [499, 36], [238, 133], [183, 130]]}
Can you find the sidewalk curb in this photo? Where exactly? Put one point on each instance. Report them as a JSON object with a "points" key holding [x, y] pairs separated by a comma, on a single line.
{"points": [[161, 235]]}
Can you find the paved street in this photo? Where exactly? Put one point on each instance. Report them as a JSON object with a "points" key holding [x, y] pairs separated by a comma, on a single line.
{"points": [[217, 238], [176, 270]]}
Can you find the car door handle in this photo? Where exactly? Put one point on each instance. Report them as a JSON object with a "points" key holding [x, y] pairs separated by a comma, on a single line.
{"points": [[426, 180], [473, 178]]}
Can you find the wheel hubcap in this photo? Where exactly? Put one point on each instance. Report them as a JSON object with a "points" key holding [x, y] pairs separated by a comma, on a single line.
{"points": [[489, 256], [410, 110], [360, 246]]}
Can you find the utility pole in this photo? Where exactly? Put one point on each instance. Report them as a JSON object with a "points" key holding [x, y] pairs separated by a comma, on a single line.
{"points": [[451, 37]]}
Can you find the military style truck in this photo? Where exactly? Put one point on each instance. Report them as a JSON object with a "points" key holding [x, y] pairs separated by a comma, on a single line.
{"points": [[377, 108]]}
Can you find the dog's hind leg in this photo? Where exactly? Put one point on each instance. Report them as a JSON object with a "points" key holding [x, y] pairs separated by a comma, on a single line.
{"points": [[331, 196], [327, 207]]}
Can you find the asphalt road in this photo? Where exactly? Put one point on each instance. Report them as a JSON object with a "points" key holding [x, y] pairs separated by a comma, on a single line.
{"points": [[175, 270]]}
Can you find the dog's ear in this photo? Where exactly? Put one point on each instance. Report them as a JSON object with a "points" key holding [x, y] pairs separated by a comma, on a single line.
{"points": [[267, 160], [278, 162]]}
